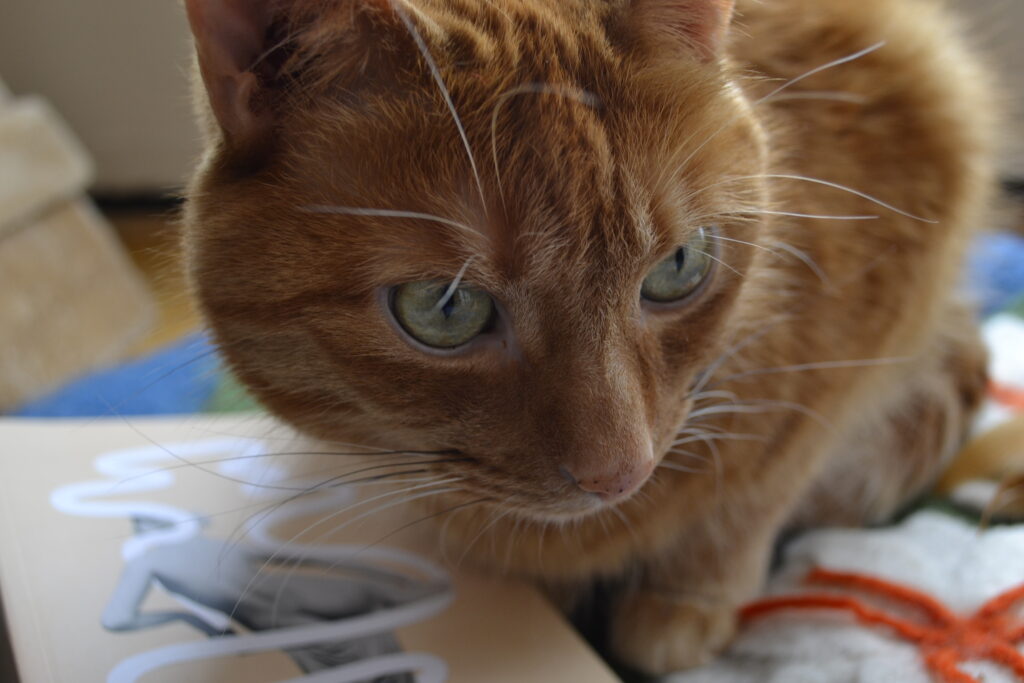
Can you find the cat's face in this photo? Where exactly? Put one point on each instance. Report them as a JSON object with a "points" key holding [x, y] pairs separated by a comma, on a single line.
{"points": [[544, 309]]}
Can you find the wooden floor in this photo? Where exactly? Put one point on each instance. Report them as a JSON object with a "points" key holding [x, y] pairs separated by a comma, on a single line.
{"points": [[152, 239]]}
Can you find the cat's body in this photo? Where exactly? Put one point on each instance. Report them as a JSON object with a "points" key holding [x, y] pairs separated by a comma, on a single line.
{"points": [[820, 373]]}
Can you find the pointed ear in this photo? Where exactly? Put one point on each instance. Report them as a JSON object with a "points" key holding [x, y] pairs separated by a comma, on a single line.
{"points": [[252, 52], [699, 27], [231, 37]]}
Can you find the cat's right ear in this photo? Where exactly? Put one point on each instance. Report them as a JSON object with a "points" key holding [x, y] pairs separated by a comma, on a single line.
{"points": [[231, 38], [694, 27]]}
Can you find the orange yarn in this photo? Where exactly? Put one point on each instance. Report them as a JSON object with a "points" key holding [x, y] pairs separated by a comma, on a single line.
{"points": [[1008, 396], [945, 639]]}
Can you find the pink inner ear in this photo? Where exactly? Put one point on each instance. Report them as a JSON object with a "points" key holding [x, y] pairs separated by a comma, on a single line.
{"points": [[700, 25], [229, 33], [230, 36]]}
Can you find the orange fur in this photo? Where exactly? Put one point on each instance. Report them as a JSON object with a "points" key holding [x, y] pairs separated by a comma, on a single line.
{"points": [[827, 339]]}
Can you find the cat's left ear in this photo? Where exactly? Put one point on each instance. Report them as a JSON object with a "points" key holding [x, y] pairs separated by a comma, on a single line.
{"points": [[698, 27], [230, 37]]}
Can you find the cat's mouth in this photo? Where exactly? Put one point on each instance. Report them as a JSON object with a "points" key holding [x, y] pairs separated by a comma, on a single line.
{"points": [[562, 498]]}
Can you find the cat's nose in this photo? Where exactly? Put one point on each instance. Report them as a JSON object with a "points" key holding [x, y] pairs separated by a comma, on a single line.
{"points": [[611, 483]]}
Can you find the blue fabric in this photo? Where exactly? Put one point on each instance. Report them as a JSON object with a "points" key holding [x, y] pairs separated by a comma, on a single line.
{"points": [[179, 379], [996, 271]]}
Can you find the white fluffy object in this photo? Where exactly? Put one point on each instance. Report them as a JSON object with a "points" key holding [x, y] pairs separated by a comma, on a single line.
{"points": [[944, 557]]}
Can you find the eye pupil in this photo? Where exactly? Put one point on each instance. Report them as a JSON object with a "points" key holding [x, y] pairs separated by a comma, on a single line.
{"points": [[434, 314], [449, 306], [681, 274]]}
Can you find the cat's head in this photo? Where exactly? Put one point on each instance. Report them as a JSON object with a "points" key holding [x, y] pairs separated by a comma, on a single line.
{"points": [[512, 229]]}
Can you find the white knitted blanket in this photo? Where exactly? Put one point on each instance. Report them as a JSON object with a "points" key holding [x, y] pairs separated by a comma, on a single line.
{"points": [[932, 552]]}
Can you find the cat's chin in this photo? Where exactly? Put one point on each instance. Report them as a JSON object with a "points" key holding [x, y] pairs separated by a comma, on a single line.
{"points": [[587, 509]]}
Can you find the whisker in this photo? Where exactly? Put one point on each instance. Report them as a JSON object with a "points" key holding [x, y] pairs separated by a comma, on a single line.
{"points": [[379, 479], [731, 352], [821, 217], [805, 258], [312, 454], [843, 188], [727, 395], [720, 437], [497, 518], [749, 244], [331, 483], [824, 67], [676, 467], [302, 556], [626, 523], [826, 365], [824, 95], [409, 525], [769, 96], [454, 286], [757, 406], [720, 261], [688, 454], [185, 462], [524, 89], [115, 408], [436, 73], [388, 213], [324, 520]]}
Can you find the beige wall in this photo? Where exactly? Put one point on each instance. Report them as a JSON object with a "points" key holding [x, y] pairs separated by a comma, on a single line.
{"points": [[117, 69], [998, 25]]}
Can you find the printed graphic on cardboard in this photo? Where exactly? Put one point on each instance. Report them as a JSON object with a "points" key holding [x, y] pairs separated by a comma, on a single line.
{"points": [[333, 609]]}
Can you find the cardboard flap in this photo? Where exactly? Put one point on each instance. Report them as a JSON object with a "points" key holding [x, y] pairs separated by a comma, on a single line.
{"points": [[121, 565], [41, 162]]}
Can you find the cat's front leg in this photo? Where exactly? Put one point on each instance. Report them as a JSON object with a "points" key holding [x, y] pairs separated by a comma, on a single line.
{"points": [[684, 611]]}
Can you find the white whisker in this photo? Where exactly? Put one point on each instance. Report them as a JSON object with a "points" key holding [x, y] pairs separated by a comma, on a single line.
{"points": [[827, 365], [389, 213], [824, 67], [496, 518], [781, 88], [821, 217], [526, 89], [676, 467], [823, 95], [731, 352], [720, 437], [720, 261], [454, 286], [436, 73], [844, 188], [749, 244], [324, 520], [805, 258], [346, 523], [688, 454]]}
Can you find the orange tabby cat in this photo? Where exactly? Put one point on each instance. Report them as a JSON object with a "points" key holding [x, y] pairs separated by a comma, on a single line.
{"points": [[654, 281]]}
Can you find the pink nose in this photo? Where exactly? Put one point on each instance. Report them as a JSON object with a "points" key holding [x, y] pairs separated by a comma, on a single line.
{"points": [[611, 485]]}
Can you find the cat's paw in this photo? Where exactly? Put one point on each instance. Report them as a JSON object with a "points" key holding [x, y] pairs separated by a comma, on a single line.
{"points": [[657, 636]]}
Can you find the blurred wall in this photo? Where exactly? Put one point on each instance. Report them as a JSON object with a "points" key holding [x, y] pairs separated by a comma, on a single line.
{"points": [[117, 70], [998, 26]]}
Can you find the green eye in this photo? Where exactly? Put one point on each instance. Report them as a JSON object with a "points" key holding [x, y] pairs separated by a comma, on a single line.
{"points": [[438, 317], [680, 275]]}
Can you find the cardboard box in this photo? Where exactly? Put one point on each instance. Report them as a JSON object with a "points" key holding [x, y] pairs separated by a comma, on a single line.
{"points": [[184, 550]]}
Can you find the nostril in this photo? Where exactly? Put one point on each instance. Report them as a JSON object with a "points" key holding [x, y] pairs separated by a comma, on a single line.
{"points": [[564, 471], [609, 486]]}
